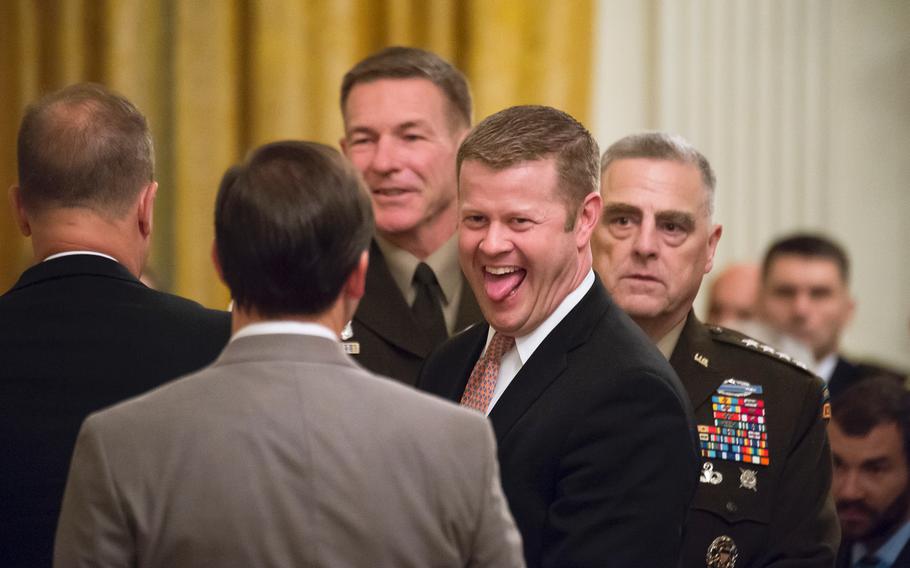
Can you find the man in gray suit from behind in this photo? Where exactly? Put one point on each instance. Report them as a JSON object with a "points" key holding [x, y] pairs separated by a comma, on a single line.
{"points": [[285, 452]]}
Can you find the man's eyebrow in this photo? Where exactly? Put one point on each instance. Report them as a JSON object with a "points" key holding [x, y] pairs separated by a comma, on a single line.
{"points": [[875, 462], [419, 123], [621, 209], [681, 218], [359, 130]]}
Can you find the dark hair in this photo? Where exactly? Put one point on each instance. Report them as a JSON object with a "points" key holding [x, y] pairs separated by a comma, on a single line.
{"points": [[528, 133], [810, 246], [410, 62], [872, 402], [291, 222], [662, 146], [84, 146]]}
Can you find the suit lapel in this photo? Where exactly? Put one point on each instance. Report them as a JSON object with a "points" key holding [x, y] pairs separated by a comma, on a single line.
{"points": [[691, 359], [384, 310], [549, 360]]}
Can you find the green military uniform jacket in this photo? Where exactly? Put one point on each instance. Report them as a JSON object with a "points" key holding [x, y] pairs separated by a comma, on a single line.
{"points": [[763, 497]]}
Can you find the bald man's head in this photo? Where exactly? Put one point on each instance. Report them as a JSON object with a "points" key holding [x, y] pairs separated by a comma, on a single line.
{"points": [[733, 294]]}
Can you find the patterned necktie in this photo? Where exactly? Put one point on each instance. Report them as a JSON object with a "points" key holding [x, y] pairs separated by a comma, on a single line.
{"points": [[479, 391], [426, 308]]}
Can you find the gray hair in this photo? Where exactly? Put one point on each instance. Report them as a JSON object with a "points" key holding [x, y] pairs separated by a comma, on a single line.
{"points": [[662, 146]]}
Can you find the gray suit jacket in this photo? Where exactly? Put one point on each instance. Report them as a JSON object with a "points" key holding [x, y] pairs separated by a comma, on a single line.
{"points": [[285, 453]]}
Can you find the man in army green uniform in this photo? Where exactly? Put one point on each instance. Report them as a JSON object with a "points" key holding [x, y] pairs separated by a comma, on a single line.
{"points": [[764, 492]]}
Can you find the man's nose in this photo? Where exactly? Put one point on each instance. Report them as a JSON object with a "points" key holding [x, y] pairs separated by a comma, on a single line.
{"points": [[848, 486], [645, 240], [385, 156], [495, 240]]}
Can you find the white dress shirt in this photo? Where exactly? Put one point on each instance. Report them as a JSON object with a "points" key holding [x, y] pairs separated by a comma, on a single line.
{"points": [[515, 358]]}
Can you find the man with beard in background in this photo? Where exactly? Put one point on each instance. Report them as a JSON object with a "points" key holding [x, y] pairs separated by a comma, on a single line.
{"points": [[870, 433]]}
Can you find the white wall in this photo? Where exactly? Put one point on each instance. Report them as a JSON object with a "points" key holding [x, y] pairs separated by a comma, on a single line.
{"points": [[803, 108]]}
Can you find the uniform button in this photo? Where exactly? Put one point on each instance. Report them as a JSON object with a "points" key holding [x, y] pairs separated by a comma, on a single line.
{"points": [[731, 507], [716, 330]]}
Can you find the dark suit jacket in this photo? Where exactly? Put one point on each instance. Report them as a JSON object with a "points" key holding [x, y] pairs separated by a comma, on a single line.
{"points": [[845, 374], [595, 439], [789, 518], [843, 557], [386, 330], [78, 333]]}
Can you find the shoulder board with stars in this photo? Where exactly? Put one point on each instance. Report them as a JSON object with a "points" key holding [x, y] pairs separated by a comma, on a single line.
{"points": [[733, 338]]}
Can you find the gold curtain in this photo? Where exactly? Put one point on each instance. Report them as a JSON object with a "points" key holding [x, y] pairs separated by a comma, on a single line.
{"points": [[218, 77]]}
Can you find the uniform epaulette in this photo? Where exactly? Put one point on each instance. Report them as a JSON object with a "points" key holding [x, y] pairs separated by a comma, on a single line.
{"points": [[731, 337]]}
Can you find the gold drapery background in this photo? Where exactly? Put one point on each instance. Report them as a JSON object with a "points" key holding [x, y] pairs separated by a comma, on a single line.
{"points": [[218, 77]]}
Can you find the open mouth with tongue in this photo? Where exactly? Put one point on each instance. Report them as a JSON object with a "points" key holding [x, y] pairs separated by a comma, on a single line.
{"points": [[501, 282]]}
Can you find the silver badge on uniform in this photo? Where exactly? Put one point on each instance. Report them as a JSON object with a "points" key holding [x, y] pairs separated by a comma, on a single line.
{"points": [[708, 475], [748, 479], [722, 553]]}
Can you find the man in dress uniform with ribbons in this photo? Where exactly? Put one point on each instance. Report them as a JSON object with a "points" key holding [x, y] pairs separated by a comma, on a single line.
{"points": [[764, 492]]}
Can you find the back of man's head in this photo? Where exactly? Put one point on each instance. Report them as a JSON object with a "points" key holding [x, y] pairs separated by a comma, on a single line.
{"points": [[84, 146], [413, 63], [291, 223]]}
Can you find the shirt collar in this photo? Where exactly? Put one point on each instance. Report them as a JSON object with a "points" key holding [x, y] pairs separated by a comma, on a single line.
{"points": [[285, 327], [443, 261], [527, 344], [825, 367], [668, 342], [74, 252], [887, 552]]}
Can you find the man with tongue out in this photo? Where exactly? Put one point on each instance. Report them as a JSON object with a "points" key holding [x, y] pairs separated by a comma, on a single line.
{"points": [[595, 435]]}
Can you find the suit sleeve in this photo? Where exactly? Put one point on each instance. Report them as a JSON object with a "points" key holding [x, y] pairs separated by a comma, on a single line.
{"points": [[804, 528], [497, 542], [625, 482], [92, 530]]}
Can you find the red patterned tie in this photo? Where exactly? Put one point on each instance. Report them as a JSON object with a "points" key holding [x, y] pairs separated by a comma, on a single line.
{"points": [[479, 391]]}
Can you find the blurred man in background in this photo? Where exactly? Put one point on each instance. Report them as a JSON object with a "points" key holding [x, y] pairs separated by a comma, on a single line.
{"points": [[870, 441], [805, 294], [733, 295]]}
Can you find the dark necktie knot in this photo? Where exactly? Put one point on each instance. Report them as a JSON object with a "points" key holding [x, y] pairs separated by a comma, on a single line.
{"points": [[424, 275]]}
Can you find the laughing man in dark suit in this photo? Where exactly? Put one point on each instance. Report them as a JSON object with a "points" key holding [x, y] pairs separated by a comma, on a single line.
{"points": [[78, 331], [595, 434]]}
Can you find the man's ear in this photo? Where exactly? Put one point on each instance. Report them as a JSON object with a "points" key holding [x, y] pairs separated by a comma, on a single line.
{"points": [[15, 203], [588, 217], [146, 208], [355, 286], [216, 262], [713, 239]]}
